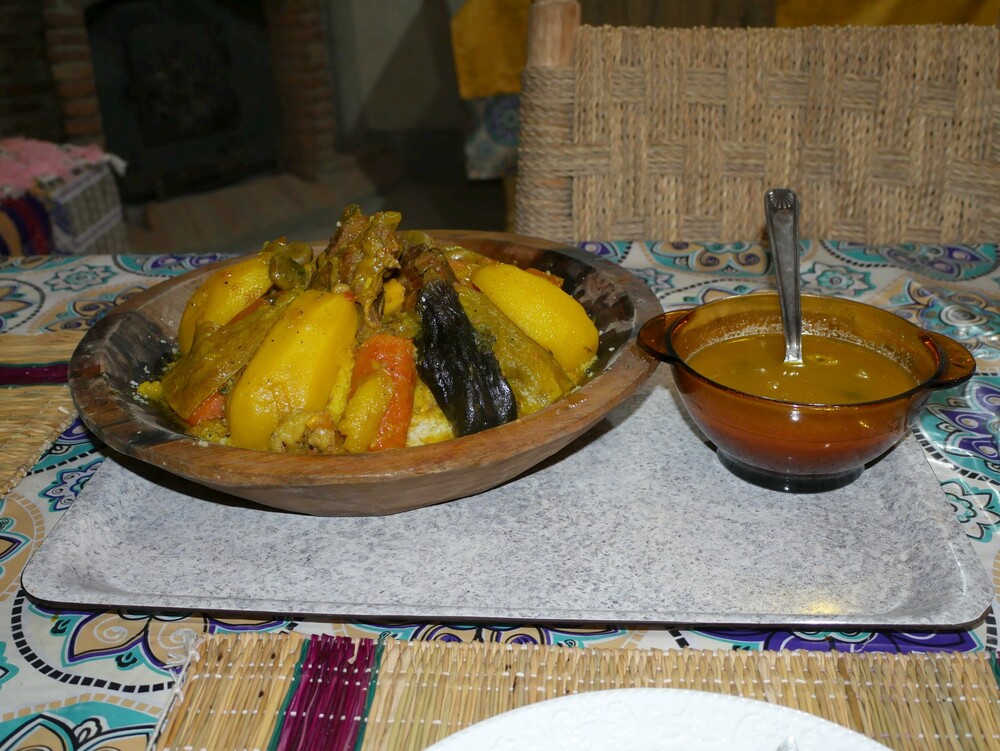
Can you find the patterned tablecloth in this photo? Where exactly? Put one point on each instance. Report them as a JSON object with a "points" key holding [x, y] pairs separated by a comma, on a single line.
{"points": [[76, 679]]}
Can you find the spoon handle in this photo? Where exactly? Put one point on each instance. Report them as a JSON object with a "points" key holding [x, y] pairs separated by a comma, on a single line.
{"points": [[781, 208]]}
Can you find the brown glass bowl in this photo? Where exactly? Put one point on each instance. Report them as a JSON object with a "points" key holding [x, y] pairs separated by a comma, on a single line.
{"points": [[802, 447], [125, 347]]}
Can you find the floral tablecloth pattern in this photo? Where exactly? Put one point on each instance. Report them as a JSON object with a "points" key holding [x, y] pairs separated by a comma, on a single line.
{"points": [[80, 679]]}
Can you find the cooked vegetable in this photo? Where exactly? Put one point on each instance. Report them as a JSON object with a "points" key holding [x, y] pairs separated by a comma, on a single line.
{"points": [[291, 265], [462, 261], [544, 312], [218, 355], [393, 294], [383, 340], [295, 367], [306, 431], [213, 408], [535, 376], [429, 423], [459, 368], [223, 295], [393, 356], [365, 411], [420, 264]]}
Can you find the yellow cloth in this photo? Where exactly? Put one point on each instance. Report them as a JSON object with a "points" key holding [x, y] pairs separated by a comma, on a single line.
{"points": [[10, 237], [489, 40], [885, 12], [489, 37]]}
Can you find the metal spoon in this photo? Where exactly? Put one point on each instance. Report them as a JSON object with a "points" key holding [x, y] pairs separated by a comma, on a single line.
{"points": [[781, 208]]}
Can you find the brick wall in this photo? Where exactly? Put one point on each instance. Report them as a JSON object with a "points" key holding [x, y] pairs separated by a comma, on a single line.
{"points": [[28, 102], [300, 51], [47, 87], [68, 54]]}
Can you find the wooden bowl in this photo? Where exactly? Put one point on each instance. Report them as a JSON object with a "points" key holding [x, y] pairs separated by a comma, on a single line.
{"points": [[127, 346]]}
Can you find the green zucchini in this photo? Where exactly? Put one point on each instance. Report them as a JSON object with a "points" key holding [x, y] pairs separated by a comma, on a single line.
{"points": [[532, 372]]}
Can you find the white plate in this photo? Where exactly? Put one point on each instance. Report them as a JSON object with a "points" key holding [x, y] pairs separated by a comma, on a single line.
{"points": [[654, 719]]}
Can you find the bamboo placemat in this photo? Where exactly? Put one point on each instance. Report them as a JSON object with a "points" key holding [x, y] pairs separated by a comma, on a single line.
{"points": [[32, 415], [238, 691]]}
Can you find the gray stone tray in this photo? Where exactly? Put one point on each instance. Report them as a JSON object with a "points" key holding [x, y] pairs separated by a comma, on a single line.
{"points": [[636, 522]]}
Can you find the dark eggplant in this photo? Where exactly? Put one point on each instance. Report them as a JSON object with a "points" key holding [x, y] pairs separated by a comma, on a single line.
{"points": [[457, 365]]}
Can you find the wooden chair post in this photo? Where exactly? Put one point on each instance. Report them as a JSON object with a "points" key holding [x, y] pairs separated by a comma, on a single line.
{"points": [[552, 26], [545, 197]]}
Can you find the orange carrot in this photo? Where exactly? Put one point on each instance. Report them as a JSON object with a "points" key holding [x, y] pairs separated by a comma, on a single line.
{"points": [[213, 408], [395, 355], [248, 309]]}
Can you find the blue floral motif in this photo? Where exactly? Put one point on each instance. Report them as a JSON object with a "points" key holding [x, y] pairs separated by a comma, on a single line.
{"points": [[491, 146], [957, 262], [966, 315], [11, 542], [976, 508], [18, 302], [713, 258], [964, 422], [945, 262], [7, 671], [715, 290], [168, 265], [660, 282], [856, 253], [85, 312], [133, 639], [502, 119], [21, 264], [118, 649], [80, 277], [82, 726], [74, 443], [612, 251], [840, 280], [848, 641], [62, 491], [498, 634]]}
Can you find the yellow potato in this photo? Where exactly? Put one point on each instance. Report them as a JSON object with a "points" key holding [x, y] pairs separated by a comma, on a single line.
{"points": [[365, 411], [296, 367], [223, 295], [542, 311], [393, 292]]}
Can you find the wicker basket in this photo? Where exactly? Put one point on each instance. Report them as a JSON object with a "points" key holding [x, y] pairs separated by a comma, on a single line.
{"points": [[86, 214]]}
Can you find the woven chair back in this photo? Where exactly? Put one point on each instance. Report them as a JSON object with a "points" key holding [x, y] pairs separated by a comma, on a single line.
{"points": [[886, 134]]}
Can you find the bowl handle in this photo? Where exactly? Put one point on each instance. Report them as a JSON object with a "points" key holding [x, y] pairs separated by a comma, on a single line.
{"points": [[957, 363], [654, 334]]}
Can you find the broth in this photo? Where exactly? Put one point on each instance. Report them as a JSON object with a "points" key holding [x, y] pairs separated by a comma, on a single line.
{"points": [[833, 371]]}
